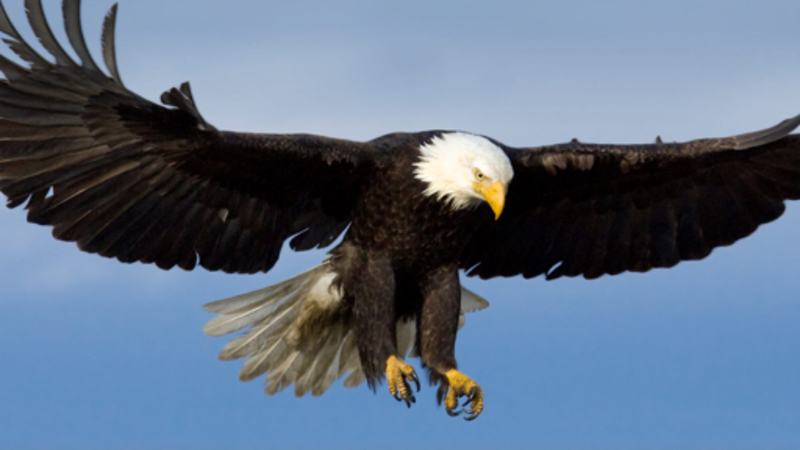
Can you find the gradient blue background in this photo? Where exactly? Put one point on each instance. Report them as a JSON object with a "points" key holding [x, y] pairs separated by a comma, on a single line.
{"points": [[94, 353]]}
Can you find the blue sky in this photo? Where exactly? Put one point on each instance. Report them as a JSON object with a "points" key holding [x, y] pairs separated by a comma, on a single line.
{"points": [[99, 354]]}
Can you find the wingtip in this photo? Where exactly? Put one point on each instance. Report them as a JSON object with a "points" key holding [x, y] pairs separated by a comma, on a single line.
{"points": [[767, 136], [41, 29], [109, 45], [6, 27], [71, 10]]}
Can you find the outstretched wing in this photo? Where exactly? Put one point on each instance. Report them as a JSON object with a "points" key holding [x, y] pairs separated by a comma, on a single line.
{"points": [[126, 178], [587, 209]]}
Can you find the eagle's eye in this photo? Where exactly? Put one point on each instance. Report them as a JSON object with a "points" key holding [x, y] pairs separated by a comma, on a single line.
{"points": [[479, 175]]}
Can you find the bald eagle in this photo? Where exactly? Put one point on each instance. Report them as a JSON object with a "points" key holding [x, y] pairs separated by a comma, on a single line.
{"points": [[129, 179]]}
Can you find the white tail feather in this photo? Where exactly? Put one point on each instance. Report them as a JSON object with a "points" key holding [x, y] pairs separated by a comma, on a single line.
{"points": [[471, 302], [276, 319], [406, 330], [247, 309]]}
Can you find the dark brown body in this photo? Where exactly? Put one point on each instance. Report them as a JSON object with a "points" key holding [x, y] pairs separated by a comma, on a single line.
{"points": [[399, 259]]}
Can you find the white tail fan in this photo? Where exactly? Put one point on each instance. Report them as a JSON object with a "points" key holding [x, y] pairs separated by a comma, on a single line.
{"points": [[296, 333]]}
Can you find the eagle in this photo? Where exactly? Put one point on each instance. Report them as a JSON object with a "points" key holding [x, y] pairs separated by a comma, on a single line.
{"points": [[130, 179]]}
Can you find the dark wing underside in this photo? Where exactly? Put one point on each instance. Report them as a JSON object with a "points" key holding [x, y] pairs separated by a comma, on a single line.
{"points": [[126, 178], [587, 209]]}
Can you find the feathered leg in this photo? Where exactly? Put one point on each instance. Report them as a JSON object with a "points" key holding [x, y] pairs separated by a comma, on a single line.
{"points": [[441, 307], [373, 291]]}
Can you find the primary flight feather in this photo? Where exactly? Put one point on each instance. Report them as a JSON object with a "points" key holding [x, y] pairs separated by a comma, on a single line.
{"points": [[130, 179]]}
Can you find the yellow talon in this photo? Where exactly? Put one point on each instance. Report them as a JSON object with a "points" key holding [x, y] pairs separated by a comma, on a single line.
{"points": [[462, 386], [399, 374]]}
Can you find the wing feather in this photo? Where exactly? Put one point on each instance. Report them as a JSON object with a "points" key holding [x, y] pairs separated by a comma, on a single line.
{"points": [[109, 45], [126, 178], [588, 210], [18, 45], [72, 23], [42, 31]]}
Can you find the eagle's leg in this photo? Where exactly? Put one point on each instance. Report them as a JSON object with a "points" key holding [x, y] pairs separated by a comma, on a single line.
{"points": [[374, 318], [438, 326]]}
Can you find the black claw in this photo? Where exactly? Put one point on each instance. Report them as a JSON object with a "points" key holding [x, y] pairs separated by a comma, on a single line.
{"points": [[441, 393], [454, 413], [403, 393], [415, 379]]}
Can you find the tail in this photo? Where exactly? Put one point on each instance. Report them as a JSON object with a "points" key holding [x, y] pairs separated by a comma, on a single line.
{"points": [[297, 332]]}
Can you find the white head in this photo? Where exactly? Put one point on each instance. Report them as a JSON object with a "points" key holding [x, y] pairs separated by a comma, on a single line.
{"points": [[464, 170]]}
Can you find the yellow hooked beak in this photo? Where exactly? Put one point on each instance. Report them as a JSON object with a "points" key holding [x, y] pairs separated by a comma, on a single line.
{"points": [[495, 196]]}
